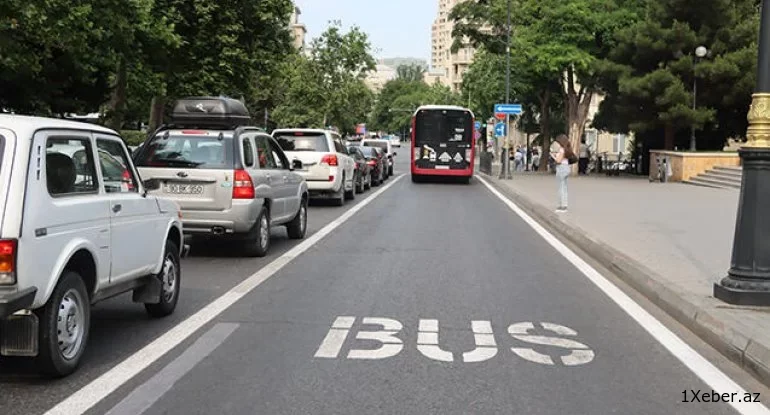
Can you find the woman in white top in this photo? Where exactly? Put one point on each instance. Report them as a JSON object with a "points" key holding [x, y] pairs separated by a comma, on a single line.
{"points": [[562, 159]]}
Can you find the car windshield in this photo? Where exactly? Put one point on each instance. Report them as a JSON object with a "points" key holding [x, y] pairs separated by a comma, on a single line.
{"points": [[187, 151], [302, 141]]}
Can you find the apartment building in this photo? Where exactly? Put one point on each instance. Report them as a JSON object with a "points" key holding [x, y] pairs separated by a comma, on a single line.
{"points": [[298, 29], [447, 67], [377, 79]]}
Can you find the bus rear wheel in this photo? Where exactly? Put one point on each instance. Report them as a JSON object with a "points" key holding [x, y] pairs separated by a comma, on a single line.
{"points": [[416, 178]]}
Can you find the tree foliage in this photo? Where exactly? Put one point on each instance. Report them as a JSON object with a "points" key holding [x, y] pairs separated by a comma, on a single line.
{"points": [[649, 78], [412, 72], [327, 88], [400, 98]]}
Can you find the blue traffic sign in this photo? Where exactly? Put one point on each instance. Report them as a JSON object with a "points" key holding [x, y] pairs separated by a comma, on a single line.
{"points": [[500, 129], [477, 125], [512, 109]]}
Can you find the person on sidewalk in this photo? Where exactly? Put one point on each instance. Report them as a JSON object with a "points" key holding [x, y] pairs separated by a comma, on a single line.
{"points": [[585, 155], [563, 158], [535, 160]]}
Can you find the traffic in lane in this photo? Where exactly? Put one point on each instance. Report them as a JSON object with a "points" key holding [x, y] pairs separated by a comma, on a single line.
{"points": [[119, 328], [453, 305]]}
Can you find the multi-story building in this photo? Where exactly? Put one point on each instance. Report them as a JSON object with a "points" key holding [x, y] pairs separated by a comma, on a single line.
{"points": [[377, 79], [452, 65], [298, 29]]}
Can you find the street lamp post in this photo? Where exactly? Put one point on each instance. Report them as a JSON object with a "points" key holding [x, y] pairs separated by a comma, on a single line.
{"points": [[700, 53], [748, 280]]}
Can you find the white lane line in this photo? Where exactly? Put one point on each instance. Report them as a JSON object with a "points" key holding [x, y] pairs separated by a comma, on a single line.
{"points": [[107, 383], [144, 396], [699, 365]]}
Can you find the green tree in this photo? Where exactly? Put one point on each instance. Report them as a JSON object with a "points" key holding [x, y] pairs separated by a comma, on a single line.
{"points": [[412, 72], [650, 74], [327, 88]]}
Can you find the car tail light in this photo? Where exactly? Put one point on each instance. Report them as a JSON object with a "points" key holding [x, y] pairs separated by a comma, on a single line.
{"points": [[331, 178], [371, 163], [127, 180], [357, 164], [243, 187], [8, 261], [193, 132], [330, 159]]}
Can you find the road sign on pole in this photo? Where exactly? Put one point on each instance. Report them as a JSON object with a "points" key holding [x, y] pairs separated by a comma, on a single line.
{"points": [[500, 129], [510, 109], [477, 125]]}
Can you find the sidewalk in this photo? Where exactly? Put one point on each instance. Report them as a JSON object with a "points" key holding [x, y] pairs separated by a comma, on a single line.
{"points": [[671, 242]]}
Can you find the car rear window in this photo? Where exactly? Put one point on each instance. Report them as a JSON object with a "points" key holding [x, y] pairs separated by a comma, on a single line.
{"points": [[187, 151], [379, 144], [301, 141], [368, 152]]}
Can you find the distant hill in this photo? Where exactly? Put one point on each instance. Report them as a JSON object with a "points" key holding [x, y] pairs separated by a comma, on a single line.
{"points": [[396, 62]]}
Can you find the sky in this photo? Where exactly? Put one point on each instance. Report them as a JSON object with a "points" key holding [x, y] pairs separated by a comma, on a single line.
{"points": [[396, 28]]}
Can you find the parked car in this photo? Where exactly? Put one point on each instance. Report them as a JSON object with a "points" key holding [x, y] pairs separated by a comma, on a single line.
{"points": [[363, 170], [76, 227], [385, 146], [375, 158], [232, 180], [395, 141], [326, 165]]}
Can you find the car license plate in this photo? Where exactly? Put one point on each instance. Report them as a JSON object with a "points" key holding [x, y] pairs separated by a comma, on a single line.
{"points": [[184, 189]]}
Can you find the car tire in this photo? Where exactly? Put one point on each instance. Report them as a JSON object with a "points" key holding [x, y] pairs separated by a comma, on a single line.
{"points": [[64, 326], [297, 228], [390, 171], [368, 183], [360, 184], [351, 194], [258, 243], [170, 277], [339, 197]]}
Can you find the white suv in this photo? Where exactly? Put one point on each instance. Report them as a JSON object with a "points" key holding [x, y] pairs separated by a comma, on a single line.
{"points": [[76, 227], [327, 167]]}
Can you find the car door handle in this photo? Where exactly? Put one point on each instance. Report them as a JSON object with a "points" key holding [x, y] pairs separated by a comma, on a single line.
{"points": [[117, 208]]}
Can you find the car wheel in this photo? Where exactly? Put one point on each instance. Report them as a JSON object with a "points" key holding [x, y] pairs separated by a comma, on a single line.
{"points": [[259, 242], [351, 194], [368, 183], [339, 197], [170, 278], [360, 183], [390, 171], [298, 226], [64, 325]]}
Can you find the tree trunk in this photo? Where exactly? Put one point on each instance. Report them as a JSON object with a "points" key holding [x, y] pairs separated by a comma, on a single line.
{"points": [[117, 108], [668, 143], [156, 113], [578, 104], [545, 129]]}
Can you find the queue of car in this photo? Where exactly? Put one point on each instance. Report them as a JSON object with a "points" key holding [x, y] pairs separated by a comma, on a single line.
{"points": [[83, 219]]}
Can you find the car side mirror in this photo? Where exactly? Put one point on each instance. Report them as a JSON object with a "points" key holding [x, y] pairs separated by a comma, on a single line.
{"points": [[296, 164], [151, 184], [394, 153]]}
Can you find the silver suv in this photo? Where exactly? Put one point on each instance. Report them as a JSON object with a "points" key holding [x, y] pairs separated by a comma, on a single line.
{"points": [[231, 180]]}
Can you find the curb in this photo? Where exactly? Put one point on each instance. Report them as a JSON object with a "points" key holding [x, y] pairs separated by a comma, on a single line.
{"points": [[753, 356]]}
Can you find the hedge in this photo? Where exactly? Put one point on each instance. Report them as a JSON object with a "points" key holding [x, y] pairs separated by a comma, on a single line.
{"points": [[133, 137]]}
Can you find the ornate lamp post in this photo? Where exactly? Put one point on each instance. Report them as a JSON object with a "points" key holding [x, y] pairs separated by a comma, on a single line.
{"points": [[748, 280], [700, 53]]}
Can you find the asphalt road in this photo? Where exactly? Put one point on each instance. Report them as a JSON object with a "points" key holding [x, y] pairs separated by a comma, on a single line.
{"points": [[412, 306]]}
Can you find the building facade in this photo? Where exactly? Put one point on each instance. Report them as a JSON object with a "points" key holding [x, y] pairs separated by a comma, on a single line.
{"points": [[377, 79], [447, 67], [298, 29]]}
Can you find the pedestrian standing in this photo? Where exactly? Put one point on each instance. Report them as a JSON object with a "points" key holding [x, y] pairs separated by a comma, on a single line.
{"points": [[535, 160], [563, 158], [585, 155]]}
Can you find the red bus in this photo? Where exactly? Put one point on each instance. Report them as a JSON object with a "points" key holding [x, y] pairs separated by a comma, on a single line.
{"points": [[442, 142]]}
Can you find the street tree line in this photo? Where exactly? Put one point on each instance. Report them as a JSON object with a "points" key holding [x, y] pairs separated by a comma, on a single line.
{"points": [[637, 54], [118, 57]]}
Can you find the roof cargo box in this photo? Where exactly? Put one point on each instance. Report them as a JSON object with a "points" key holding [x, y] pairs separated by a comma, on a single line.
{"points": [[212, 112]]}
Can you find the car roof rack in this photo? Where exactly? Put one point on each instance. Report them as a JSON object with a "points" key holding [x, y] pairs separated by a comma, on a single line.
{"points": [[209, 113]]}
